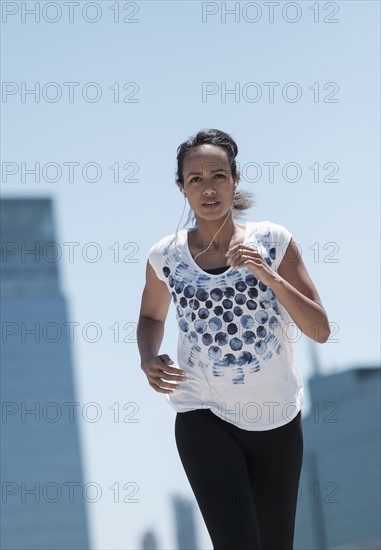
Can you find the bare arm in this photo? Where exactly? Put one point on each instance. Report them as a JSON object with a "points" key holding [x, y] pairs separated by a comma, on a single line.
{"points": [[153, 313], [298, 294], [154, 308], [292, 285]]}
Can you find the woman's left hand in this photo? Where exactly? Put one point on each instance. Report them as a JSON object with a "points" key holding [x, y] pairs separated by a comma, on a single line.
{"points": [[241, 255], [291, 284]]}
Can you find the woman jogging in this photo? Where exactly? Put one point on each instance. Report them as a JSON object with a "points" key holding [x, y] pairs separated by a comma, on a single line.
{"points": [[238, 289]]}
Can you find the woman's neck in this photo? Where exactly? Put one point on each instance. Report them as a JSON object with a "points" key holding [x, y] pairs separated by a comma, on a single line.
{"points": [[206, 232]]}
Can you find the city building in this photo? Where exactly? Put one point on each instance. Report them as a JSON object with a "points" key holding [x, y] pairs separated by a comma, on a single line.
{"points": [[339, 491], [184, 523], [149, 541], [43, 493]]}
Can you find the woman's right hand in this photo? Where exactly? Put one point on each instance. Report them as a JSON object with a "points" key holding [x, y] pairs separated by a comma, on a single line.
{"points": [[158, 371]]}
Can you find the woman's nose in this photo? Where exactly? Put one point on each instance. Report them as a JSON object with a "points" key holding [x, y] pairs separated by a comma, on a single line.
{"points": [[209, 185]]}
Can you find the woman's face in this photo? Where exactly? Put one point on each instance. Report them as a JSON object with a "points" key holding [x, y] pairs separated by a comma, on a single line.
{"points": [[207, 178]]}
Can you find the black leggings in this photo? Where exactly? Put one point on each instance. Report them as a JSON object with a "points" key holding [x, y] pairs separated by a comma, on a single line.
{"points": [[245, 482]]}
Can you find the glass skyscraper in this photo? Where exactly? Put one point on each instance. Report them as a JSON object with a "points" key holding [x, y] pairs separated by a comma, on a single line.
{"points": [[43, 493], [185, 523], [339, 491]]}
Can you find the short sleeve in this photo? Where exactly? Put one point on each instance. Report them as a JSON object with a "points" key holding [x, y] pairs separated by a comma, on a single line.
{"points": [[280, 239], [155, 258]]}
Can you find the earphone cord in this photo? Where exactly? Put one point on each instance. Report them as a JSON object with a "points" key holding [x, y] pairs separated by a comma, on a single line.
{"points": [[214, 235], [211, 242], [177, 229]]}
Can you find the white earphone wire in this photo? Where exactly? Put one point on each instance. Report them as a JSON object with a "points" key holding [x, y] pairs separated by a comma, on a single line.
{"points": [[177, 229], [211, 242]]}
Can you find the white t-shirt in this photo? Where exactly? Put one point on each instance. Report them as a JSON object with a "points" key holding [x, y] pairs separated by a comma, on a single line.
{"points": [[235, 337]]}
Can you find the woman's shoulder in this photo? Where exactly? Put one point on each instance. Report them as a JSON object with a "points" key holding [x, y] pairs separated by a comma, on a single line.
{"points": [[266, 228], [275, 238], [163, 243]]}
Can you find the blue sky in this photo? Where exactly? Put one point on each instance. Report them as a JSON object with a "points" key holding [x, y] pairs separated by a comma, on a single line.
{"points": [[169, 54]]}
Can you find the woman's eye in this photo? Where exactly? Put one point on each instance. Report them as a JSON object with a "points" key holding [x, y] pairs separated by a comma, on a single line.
{"points": [[198, 177]]}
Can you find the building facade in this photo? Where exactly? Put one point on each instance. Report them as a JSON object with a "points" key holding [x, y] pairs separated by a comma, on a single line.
{"points": [[43, 493], [339, 491]]}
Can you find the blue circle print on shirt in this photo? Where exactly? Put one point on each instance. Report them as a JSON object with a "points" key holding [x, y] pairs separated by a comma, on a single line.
{"points": [[233, 323]]}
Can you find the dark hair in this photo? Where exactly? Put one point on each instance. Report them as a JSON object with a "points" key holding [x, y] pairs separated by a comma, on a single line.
{"points": [[243, 200]]}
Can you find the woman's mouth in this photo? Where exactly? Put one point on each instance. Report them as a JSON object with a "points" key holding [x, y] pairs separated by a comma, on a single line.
{"points": [[211, 204]]}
